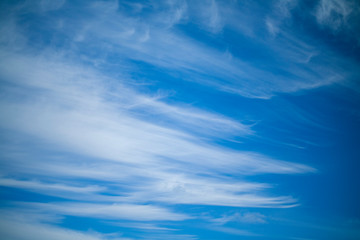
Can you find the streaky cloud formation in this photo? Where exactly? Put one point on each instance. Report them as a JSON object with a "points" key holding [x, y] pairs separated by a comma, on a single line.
{"points": [[174, 119], [10, 230], [333, 13], [113, 211]]}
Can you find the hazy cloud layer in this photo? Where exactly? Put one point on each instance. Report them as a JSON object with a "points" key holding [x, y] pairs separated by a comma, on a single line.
{"points": [[83, 126]]}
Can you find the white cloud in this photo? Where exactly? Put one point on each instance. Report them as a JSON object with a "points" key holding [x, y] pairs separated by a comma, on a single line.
{"points": [[179, 189], [333, 13], [245, 217], [36, 185], [271, 26], [233, 231], [54, 189], [212, 16], [82, 120], [161, 236], [281, 12], [22, 230], [144, 226], [78, 110], [115, 211], [146, 39], [90, 125]]}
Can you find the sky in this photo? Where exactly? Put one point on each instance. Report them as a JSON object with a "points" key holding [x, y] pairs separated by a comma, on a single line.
{"points": [[176, 119]]}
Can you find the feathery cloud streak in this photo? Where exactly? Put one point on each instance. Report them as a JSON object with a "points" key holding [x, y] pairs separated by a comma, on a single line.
{"points": [[80, 129]]}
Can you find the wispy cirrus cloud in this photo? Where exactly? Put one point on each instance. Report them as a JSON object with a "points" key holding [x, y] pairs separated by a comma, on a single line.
{"points": [[108, 211], [47, 188], [168, 152], [234, 231], [144, 38], [81, 112], [333, 13], [84, 106], [24, 225], [246, 217], [79, 126], [23, 230]]}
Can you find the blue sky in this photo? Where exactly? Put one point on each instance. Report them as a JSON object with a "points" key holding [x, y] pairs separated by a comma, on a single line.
{"points": [[179, 119]]}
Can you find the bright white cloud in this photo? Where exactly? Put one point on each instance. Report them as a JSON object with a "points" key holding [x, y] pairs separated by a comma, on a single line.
{"points": [[88, 124], [80, 111], [144, 38]]}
